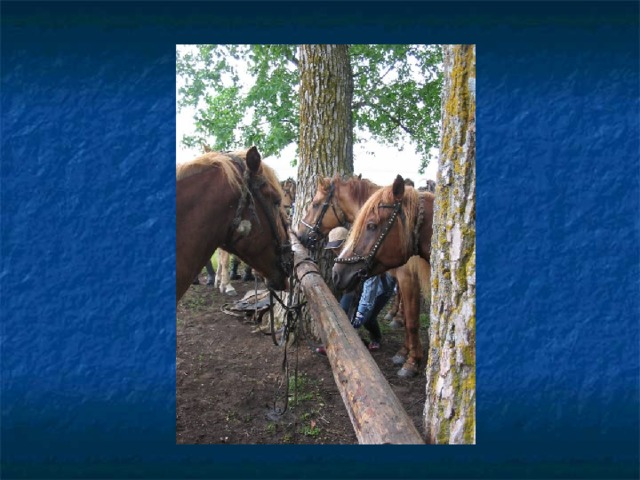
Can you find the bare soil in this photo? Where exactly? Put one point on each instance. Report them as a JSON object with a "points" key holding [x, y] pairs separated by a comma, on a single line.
{"points": [[227, 378]]}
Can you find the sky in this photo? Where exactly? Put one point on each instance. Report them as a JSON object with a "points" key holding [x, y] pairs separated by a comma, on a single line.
{"points": [[381, 167], [376, 162]]}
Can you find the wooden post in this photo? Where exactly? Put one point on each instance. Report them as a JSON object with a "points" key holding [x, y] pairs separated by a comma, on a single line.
{"points": [[376, 413]]}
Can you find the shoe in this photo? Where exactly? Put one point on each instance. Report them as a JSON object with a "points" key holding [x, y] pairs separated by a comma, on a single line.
{"points": [[373, 346], [321, 350], [195, 282], [248, 278]]}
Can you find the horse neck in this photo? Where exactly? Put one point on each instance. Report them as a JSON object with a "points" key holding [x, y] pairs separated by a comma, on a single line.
{"points": [[206, 205], [425, 231]]}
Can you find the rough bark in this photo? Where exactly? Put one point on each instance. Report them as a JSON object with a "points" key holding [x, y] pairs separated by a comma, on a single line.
{"points": [[449, 413], [376, 413], [326, 126]]}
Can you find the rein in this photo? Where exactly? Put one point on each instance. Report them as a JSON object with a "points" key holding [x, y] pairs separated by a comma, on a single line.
{"points": [[292, 315]]}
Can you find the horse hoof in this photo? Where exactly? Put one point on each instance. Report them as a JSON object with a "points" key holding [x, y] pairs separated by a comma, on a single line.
{"points": [[210, 281], [388, 317], [398, 359], [396, 325], [408, 370]]}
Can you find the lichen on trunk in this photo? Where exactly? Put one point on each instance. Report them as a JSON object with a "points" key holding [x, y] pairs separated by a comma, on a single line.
{"points": [[449, 413]]}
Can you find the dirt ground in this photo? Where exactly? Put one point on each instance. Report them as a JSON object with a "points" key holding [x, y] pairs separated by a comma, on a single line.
{"points": [[227, 379]]}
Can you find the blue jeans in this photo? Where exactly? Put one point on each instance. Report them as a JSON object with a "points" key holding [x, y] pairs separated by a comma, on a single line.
{"points": [[376, 292]]}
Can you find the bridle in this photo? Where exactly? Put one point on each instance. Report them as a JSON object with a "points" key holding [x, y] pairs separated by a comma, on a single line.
{"points": [[369, 259], [250, 195], [314, 233]]}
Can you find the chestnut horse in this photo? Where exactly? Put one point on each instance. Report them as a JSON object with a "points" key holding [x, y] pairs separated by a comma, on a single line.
{"points": [[289, 189], [337, 202], [233, 201], [379, 241]]}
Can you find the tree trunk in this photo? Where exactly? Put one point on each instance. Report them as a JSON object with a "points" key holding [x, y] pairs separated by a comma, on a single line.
{"points": [[326, 127], [450, 410]]}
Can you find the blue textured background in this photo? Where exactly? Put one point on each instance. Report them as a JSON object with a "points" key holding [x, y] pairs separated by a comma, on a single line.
{"points": [[87, 203]]}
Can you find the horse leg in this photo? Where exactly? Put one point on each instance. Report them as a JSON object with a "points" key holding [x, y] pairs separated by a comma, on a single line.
{"points": [[398, 319], [220, 269], [420, 273], [404, 284], [394, 308], [411, 299], [225, 282]]}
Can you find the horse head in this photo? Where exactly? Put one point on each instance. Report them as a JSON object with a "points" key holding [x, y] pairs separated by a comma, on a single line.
{"points": [[325, 212], [260, 238], [384, 235]]}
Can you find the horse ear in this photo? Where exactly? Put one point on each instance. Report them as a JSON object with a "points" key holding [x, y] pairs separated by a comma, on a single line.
{"points": [[324, 182], [253, 159], [398, 188]]}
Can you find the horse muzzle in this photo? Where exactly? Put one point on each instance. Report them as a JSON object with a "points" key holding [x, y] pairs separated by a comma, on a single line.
{"points": [[279, 284], [345, 277]]}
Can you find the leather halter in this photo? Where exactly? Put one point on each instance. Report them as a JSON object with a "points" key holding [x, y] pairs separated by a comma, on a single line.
{"points": [[314, 234], [370, 257], [251, 191]]}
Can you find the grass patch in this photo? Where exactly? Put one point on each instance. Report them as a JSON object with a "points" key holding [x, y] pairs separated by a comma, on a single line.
{"points": [[310, 430], [304, 393], [303, 389]]}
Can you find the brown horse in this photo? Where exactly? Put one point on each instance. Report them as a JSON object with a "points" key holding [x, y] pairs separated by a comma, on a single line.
{"points": [[230, 200], [289, 189], [395, 224], [337, 202]]}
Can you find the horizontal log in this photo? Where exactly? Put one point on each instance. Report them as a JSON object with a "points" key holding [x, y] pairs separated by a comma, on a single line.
{"points": [[376, 413]]}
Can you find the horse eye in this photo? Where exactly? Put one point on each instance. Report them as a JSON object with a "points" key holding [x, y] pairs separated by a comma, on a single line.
{"points": [[371, 226], [277, 203]]}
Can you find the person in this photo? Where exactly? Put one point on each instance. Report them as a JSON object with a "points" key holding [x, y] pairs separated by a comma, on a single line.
{"points": [[376, 292], [234, 275], [211, 275]]}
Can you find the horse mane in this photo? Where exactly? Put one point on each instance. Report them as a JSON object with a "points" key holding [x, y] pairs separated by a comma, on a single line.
{"points": [[410, 204], [225, 161], [358, 187]]}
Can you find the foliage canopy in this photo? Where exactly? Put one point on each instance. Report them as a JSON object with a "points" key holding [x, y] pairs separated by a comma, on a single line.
{"points": [[248, 95]]}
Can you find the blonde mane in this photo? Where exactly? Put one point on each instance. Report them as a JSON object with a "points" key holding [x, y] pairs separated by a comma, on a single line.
{"points": [[410, 204], [224, 161]]}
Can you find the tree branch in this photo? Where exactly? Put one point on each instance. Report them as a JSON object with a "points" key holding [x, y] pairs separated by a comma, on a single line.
{"points": [[394, 119], [294, 60]]}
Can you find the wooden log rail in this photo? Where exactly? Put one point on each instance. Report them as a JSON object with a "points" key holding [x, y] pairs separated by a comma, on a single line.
{"points": [[376, 413]]}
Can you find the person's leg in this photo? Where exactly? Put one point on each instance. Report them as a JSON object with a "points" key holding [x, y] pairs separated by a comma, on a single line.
{"points": [[235, 263], [248, 276], [346, 302], [211, 275], [373, 327]]}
